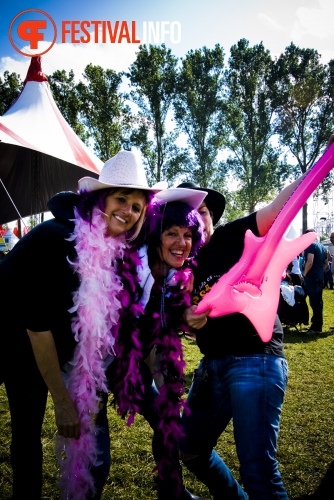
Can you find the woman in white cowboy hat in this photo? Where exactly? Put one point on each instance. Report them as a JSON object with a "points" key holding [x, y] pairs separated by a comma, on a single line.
{"points": [[63, 277], [152, 333]]}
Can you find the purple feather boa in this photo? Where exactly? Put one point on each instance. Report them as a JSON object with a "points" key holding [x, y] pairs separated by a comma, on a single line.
{"points": [[102, 327], [128, 382]]}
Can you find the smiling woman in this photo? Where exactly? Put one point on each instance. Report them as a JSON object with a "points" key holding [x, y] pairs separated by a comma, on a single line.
{"points": [[150, 366], [175, 246], [65, 274], [123, 209]]}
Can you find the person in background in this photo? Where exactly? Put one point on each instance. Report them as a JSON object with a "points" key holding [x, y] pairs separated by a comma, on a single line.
{"points": [[328, 278], [315, 263], [58, 318], [295, 271], [240, 377], [148, 373], [331, 237]]}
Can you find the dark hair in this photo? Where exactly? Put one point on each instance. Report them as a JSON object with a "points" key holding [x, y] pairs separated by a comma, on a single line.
{"points": [[176, 213], [90, 199]]}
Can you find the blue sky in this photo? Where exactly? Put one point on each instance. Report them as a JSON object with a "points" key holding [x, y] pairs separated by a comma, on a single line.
{"points": [[308, 23]]}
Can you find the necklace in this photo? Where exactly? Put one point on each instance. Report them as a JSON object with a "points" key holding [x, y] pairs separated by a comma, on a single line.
{"points": [[162, 302]]}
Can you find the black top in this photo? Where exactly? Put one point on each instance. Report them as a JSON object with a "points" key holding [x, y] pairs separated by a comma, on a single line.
{"points": [[37, 283], [320, 255], [232, 334]]}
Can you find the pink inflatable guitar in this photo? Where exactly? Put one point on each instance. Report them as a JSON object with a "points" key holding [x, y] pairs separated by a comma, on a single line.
{"points": [[252, 285]]}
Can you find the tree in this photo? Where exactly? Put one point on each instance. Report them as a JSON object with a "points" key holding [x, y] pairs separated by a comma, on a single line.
{"points": [[197, 106], [65, 94], [10, 88], [305, 116], [103, 110], [153, 76], [247, 126]]}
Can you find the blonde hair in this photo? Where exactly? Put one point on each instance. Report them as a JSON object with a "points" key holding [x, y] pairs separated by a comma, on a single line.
{"points": [[138, 225]]}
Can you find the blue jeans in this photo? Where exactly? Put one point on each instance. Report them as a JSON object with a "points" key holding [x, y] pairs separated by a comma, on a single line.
{"points": [[250, 390], [314, 289]]}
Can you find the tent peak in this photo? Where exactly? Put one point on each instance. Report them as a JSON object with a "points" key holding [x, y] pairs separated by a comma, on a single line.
{"points": [[35, 73]]}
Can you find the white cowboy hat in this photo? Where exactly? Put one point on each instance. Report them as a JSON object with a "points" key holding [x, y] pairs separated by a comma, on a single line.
{"points": [[192, 197], [125, 169]]}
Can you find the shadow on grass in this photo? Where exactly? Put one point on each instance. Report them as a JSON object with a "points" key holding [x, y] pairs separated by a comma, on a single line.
{"points": [[292, 336], [325, 488]]}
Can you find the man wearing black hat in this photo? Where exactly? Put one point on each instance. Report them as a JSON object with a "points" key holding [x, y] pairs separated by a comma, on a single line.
{"points": [[211, 209], [240, 376]]}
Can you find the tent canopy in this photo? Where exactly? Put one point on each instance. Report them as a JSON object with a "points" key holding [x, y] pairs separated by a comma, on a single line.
{"points": [[40, 154]]}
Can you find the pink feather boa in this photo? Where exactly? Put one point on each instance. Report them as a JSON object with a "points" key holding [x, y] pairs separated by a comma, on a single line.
{"points": [[96, 305]]}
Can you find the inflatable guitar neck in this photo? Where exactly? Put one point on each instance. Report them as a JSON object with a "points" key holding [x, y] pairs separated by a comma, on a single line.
{"points": [[252, 285]]}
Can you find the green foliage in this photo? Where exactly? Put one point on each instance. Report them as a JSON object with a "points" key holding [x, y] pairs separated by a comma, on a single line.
{"points": [[247, 126], [305, 446], [305, 103], [33, 221], [233, 209], [197, 105], [257, 120], [65, 93], [305, 107], [10, 87], [152, 77], [103, 110]]}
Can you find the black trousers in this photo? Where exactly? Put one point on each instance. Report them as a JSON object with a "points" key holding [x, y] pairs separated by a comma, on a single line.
{"points": [[27, 395]]}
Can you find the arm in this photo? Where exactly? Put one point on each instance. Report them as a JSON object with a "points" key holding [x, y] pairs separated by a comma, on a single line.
{"points": [[44, 349], [266, 215], [308, 263]]}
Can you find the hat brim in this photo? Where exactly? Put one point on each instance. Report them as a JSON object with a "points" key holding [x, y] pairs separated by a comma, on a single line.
{"points": [[192, 197], [214, 200], [90, 184]]}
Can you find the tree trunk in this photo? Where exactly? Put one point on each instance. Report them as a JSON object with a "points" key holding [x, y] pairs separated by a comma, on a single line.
{"points": [[305, 226]]}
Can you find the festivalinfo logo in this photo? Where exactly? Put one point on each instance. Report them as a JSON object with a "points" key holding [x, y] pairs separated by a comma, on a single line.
{"points": [[31, 27]]}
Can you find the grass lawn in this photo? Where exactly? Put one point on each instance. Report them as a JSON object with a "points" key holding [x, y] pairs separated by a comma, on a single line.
{"points": [[306, 443]]}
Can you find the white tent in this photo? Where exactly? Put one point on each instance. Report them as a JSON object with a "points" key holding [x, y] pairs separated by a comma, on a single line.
{"points": [[40, 154]]}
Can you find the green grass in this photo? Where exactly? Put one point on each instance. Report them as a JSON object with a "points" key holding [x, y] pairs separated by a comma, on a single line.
{"points": [[306, 442]]}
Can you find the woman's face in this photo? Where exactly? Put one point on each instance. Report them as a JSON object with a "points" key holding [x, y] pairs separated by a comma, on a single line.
{"points": [[175, 246], [123, 209], [207, 220]]}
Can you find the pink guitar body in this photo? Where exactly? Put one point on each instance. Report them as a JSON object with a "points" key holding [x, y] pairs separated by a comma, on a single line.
{"points": [[252, 285]]}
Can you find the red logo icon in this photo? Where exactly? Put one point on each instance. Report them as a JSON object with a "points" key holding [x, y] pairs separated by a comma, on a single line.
{"points": [[32, 27]]}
